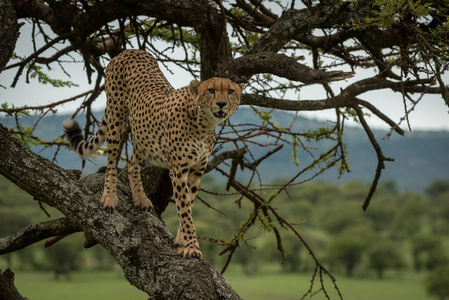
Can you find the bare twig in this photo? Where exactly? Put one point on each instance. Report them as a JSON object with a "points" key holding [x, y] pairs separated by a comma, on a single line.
{"points": [[380, 157]]}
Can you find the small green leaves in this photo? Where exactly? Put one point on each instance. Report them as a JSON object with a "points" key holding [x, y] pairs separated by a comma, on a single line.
{"points": [[36, 72], [26, 137], [388, 12], [14, 111], [319, 134]]}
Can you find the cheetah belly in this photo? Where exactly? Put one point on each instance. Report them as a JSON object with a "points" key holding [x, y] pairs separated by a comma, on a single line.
{"points": [[153, 155], [157, 161]]}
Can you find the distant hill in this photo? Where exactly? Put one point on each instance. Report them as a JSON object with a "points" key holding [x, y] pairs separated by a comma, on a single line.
{"points": [[420, 157]]}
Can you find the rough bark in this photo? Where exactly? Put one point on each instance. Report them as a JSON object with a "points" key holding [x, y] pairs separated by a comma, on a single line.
{"points": [[240, 69], [7, 289], [138, 240], [9, 31]]}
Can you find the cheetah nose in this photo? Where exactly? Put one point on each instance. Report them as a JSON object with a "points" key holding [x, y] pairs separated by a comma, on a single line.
{"points": [[221, 104]]}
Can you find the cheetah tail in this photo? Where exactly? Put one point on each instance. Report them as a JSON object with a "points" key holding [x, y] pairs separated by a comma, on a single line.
{"points": [[83, 148]]}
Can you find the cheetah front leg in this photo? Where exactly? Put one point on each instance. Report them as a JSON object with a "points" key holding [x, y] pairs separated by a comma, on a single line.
{"points": [[186, 241], [140, 199], [193, 182]]}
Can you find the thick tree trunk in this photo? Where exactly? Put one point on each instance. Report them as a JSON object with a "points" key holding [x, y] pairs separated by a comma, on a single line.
{"points": [[138, 240]]}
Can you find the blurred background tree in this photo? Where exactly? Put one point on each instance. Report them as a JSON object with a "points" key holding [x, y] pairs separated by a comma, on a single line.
{"points": [[62, 258], [437, 283]]}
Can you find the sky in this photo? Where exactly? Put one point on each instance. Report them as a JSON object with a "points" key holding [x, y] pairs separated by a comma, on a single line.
{"points": [[431, 113]]}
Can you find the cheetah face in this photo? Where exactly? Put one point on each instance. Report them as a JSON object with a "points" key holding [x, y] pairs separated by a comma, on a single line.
{"points": [[219, 96]]}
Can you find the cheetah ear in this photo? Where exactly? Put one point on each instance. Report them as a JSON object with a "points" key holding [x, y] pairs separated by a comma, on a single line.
{"points": [[194, 84], [241, 85]]}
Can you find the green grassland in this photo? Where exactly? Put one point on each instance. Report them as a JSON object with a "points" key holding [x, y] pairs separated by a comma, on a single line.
{"points": [[270, 283], [80, 285], [286, 286]]}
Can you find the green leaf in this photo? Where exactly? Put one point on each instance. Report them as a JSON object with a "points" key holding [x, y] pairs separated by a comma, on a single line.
{"points": [[36, 72]]}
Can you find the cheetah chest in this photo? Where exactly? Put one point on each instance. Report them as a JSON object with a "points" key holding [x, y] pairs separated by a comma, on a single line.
{"points": [[163, 148]]}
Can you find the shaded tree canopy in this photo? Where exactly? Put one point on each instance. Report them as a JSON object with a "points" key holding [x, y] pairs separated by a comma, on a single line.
{"points": [[278, 48]]}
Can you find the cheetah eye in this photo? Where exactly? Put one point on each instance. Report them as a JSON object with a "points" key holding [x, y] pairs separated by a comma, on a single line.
{"points": [[212, 91], [230, 91]]}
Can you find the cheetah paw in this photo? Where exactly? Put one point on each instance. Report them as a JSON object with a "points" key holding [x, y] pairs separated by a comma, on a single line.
{"points": [[109, 201], [141, 201], [189, 252]]}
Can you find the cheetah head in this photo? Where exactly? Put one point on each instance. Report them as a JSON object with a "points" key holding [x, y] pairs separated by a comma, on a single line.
{"points": [[219, 96]]}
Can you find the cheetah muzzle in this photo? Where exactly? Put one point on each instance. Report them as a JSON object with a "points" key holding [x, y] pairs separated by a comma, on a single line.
{"points": [[170, 128]]}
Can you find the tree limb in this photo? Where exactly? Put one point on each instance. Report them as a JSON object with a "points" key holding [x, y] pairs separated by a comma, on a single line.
{"points": [[346, 98], [292, 105], [281, 65], [381, 115], [222, 157], [35, 233], [293, 22], [380, 157], [7, 289], [315, 105]]}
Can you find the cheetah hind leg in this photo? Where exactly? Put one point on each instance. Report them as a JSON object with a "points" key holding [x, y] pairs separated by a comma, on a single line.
{"points": [[140, 199]]}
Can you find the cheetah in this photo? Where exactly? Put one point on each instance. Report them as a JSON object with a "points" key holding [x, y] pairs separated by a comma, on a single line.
{"points": [[173, 129]]}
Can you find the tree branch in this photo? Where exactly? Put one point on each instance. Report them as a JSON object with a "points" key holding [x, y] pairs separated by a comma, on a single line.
{"points": [[7, 289], [292, 105], [281, 65], [380, 157], [346, 98], [222, 157], [381, 115], [35, 233], [293, 22]]}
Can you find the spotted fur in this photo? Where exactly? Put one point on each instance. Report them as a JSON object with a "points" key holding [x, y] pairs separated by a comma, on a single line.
{"points": [[170, 128]]}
